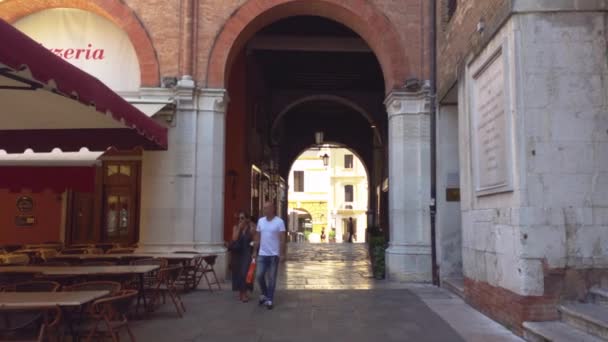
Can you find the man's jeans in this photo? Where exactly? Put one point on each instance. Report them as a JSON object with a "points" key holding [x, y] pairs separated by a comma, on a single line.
{"points": [[267, 267]]}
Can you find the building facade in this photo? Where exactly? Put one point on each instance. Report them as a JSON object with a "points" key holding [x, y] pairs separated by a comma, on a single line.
{"points": [[504, 187], [521, 92], [233, 79], [327, 196]]}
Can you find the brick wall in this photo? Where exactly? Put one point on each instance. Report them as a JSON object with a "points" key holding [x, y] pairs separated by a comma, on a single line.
{"points": [[507, 307], [458, 37], [398, 28]]}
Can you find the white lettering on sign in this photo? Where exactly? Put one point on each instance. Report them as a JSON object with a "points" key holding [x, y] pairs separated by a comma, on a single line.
{"points": [[491, 127], [89, 53]]}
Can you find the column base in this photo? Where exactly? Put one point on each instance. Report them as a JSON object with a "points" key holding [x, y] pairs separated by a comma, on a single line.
{"points": [[409, 263], [221, 264]]}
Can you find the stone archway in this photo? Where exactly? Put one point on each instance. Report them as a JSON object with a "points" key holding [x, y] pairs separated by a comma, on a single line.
{"points": [[114, 10], [358, 15], [327, 97]]}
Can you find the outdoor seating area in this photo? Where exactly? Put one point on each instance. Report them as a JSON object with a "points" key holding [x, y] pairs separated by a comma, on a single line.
{"points": [[65, 295]]}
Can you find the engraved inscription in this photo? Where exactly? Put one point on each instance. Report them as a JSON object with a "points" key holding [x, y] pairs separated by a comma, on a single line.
{"points": [[491, 126]]}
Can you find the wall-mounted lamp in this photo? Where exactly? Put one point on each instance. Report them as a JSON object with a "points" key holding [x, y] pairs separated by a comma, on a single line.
{"points": [[325, 158]]}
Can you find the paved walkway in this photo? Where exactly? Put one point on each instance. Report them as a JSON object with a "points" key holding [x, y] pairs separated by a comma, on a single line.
{"points": [[326, 293]]}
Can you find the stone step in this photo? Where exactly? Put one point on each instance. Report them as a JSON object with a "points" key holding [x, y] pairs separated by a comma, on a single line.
{"points": [[590, 318], [555, 331], [454, 285], [599, 295]]}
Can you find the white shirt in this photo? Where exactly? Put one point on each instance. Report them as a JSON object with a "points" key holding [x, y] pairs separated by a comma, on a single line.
{"points": [[270, 235]]}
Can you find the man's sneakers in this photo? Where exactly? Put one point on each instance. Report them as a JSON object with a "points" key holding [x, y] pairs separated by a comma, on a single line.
{"points": [[266, 302]]}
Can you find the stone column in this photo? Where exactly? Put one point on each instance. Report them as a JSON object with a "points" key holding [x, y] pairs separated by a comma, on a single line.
{"points": [[408, 257], [209, 175], [167, 191]]}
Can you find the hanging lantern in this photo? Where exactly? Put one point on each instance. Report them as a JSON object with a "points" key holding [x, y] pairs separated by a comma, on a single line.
{"points": [[325, 158], [319, 138]]}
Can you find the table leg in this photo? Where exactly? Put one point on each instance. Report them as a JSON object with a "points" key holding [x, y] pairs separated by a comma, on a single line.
{"points": [[142, 294]]}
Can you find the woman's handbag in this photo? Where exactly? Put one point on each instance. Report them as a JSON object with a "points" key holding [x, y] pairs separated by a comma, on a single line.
{"points": [[235, 246], [251, 273]]}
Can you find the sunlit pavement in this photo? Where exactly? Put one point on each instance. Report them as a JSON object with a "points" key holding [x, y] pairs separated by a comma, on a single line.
{"points": [[325, 293]]}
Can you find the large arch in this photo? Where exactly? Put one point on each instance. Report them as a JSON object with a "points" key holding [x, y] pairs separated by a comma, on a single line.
{"points": [[359, 15], [114, 10]]}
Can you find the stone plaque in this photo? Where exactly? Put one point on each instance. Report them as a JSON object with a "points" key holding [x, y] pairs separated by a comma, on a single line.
{"points": [[491, 127]]}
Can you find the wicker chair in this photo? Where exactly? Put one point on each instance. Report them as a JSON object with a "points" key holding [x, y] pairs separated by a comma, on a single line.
{"points": [[150, 280], [35, 324], [112, 286], [192, 273], [207, 271], [109, 315]]}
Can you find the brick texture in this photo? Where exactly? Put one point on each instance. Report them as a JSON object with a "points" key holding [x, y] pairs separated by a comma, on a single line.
{"points": [[383, 36], [457, 37], [397, 30], [507, 307]]}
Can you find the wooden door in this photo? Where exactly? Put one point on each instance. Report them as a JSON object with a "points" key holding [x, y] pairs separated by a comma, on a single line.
{"points": [[120, 218], [80, 219]]}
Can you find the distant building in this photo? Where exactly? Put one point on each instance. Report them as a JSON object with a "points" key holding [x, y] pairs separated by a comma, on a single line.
{"points": [[327, 196]]}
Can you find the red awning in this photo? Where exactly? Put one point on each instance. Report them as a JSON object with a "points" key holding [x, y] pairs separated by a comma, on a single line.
{"points": [[48, 103]]}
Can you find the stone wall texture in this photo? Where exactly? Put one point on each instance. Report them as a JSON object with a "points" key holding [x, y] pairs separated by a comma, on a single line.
{"points": [[547, 239]]}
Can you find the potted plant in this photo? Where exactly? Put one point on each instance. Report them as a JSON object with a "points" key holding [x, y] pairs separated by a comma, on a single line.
{"points": [[377, 246], [332, 236], [307, 235]]}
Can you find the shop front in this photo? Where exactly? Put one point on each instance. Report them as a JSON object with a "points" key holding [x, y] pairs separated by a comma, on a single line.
{"points": [[70, 160]]}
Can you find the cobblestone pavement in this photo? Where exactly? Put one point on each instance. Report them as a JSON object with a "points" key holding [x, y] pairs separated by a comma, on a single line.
{"points": [[325, 293]]}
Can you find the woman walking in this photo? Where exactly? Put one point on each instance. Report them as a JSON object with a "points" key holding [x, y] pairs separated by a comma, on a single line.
{"points": [[241, 248]]}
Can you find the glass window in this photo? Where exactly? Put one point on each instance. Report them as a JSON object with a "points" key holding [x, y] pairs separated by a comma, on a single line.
{"points": [[298, 180], [349, 194], [112, 216], [125, 170], [112, 170], [348, 161]]}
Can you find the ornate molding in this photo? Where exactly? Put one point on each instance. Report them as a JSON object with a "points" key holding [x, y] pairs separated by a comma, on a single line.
{"points": [[213, 100], [408, 103], [184, 91]]}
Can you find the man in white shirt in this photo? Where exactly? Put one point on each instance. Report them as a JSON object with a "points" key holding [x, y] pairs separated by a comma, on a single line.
{"points": [[270, 238]]}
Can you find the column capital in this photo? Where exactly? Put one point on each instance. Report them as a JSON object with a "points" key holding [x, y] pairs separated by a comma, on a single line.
{"points": [[408, 103], [212, 99], [184, 91]]}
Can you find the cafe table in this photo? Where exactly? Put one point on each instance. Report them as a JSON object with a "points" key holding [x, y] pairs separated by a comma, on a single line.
{"points": [[40, 300], [171, 257], [88, 271], [29, 300]]}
